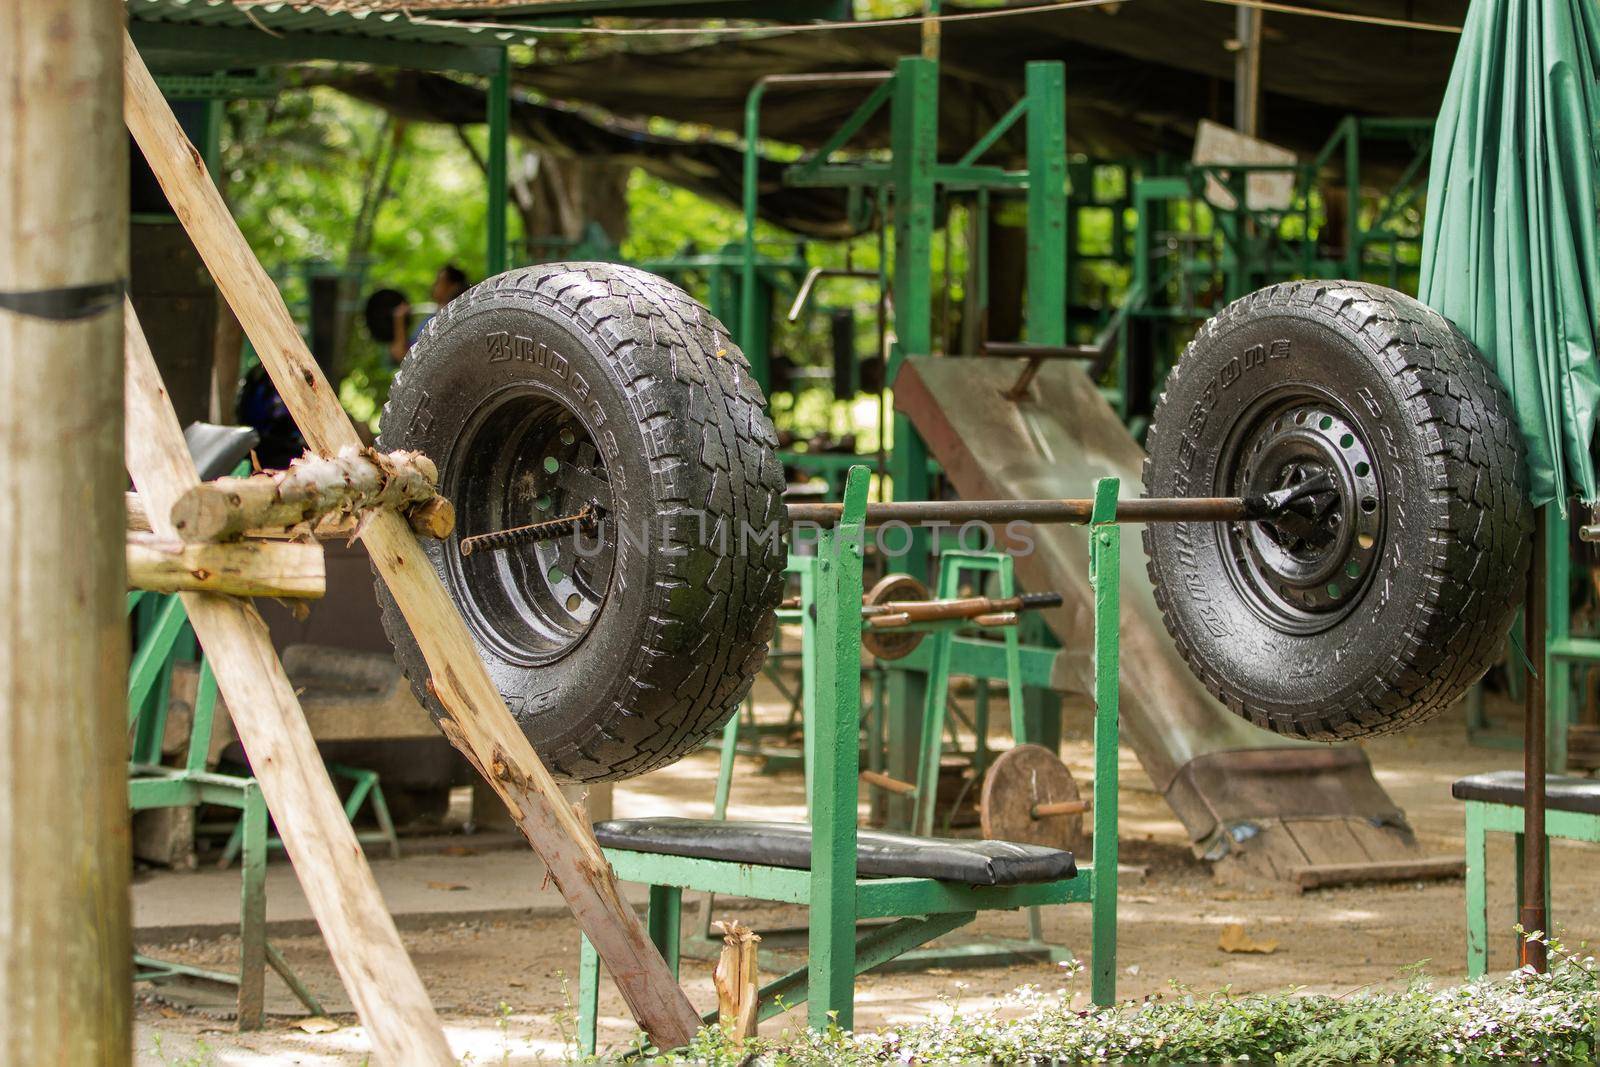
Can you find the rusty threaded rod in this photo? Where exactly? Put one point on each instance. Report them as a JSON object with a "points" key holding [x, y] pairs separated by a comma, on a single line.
{"points": [[548, 530]]}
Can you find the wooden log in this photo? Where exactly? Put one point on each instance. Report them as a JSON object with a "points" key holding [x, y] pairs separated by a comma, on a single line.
{"points": [[312, 490], [333, 872], [325, 530], [237, 568], [476, 720], [738, 981], [65, 943], [434, 518]]}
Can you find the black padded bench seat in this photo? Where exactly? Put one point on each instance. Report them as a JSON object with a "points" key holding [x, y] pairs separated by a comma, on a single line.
{"points": [[878, 854], [1561, 792]]}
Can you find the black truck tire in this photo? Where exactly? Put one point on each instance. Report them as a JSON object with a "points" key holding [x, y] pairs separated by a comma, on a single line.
{"points": [[623, 645], [1393, 592]]}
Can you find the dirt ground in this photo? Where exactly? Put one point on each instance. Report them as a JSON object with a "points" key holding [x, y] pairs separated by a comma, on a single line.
{"points": [[507, 988]]}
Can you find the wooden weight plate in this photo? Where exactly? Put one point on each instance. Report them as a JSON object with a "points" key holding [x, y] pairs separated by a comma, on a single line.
{"points": [[1017, 782], [892, 644]]}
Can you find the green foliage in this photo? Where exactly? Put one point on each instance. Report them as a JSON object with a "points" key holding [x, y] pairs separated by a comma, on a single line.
{"points": [[1521, 1017]]}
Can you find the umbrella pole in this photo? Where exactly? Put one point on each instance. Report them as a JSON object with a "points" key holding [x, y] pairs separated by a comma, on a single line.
{"points": [[1532, 917]]}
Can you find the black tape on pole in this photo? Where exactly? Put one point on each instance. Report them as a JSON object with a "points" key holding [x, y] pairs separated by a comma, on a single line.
{"points": [[66, 304]]}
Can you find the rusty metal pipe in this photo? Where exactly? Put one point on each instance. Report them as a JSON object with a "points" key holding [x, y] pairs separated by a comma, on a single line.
{"points": [[957, 608], [1045, 512]]}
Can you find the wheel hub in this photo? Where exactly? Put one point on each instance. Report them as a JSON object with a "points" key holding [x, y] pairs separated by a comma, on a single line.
{"points": [[530, 459], [1303, 569]]}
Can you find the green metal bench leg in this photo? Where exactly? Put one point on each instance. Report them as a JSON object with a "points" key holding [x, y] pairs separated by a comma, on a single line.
{"points": [[666, 911], [1105, 562], [380, 812], [1477, 895], [298, 988], [253, 910], [836, 768], [719, 807], [588, 996]]}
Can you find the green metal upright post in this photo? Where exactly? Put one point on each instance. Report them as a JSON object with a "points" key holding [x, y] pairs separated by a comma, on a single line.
{"points": [[1105, 566], [253, 909], [495, 256], [1047, 203], [1352, 196], [750, 339], [836, 751], [915, 142]]}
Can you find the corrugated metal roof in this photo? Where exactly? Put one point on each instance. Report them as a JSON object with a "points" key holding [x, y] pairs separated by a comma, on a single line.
{"points": [[310, 18]]}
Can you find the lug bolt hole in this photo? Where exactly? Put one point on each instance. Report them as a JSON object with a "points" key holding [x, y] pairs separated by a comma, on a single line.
{"points": [[1346, 441], [1333, 590], [1326, 423], [557, 575], [1362, 470], [551, 464], [573, 600], [1366, 542], [1353, 569], [1369, 504]]}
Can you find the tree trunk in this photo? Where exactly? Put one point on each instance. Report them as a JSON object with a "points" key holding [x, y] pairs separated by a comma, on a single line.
{"points": [[65, 950]]}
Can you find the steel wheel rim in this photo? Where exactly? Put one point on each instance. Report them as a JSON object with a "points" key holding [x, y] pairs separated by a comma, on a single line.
{"points": [[1305, 572], [527, 456]]}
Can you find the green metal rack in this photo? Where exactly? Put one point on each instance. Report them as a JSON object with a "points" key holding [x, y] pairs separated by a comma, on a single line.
{"points": [[923, 908], [164, 637]]}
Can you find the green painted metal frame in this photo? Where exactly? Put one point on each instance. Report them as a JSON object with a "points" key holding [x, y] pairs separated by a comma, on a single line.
{"points": [[836, 896], [164, 635], [1484, 818], [951, 567]]}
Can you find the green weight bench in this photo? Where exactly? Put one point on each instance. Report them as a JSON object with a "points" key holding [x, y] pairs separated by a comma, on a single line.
{"points": [[1495, 803], [928, 886]]}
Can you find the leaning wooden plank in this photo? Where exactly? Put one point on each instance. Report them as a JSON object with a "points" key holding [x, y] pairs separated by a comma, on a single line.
{"points": [[1431, 869], [238, 568], [477, 720], [333, 872], [310, 491]]}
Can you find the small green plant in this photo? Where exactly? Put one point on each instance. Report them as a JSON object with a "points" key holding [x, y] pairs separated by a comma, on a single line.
{"points": [[203, 1056], [1523, 1016]]}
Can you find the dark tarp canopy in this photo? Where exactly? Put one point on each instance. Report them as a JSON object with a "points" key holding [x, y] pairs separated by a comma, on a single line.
{"points": [[704, 167], [1139, 75]]}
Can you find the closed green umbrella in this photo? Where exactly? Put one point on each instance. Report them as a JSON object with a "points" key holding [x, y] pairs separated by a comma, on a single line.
{"points": [[1510, 251]]}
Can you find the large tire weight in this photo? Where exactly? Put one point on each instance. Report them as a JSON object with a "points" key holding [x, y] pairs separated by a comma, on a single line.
{"points": [[1392, 590], [549, 389]]}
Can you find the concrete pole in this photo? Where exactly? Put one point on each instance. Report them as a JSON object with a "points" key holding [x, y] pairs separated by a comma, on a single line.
{"points": [[65, 951]]}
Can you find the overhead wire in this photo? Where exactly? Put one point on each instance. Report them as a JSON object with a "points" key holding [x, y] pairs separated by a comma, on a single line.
{"points": [[910, 20], [1341, 16]]}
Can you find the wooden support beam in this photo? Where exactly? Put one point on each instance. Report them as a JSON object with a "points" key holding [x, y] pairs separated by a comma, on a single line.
{"points": [[313, 490], [65, 943], [239, 568], [317, 834], [1428, 869], [476, 718]]}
